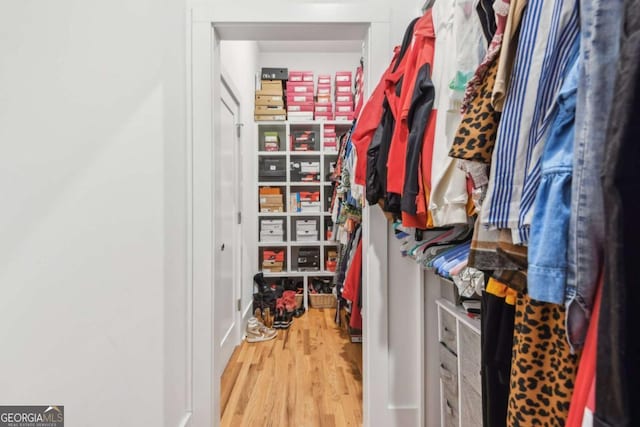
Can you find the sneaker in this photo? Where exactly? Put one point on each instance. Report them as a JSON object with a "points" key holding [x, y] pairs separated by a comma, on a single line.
{"points": [[267, 319], [258, 315], [257, 332], [279, 316]]}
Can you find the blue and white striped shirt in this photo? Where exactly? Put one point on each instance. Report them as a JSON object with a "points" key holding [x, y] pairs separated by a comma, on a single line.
{"points": [[548, 31]]}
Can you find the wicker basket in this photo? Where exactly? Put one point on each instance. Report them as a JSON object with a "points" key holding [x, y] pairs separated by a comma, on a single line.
{"points": [[322, 300]]}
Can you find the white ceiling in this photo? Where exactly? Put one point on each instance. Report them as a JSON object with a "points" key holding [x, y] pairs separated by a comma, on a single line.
{"points": [[292, 31], [310, 46]]}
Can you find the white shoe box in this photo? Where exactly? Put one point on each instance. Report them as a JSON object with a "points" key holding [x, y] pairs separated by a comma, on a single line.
{"points": [[306, 224], [271, 236], [306, 235]]}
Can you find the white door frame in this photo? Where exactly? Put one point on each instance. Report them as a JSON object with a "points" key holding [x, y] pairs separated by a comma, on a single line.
{"points": [[380, 409]]}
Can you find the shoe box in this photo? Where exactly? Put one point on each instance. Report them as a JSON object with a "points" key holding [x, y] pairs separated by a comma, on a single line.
{"points": [[306, 202], [300, 76], [306, 230], [344, 95], [303, 140], [272, 169], [305, 171], [332, 260], [308, 259], [271, 141], [300, 90], [270, 73], [272, 230], [329, 139], [269, 101], [271, 199], [273, 260]]}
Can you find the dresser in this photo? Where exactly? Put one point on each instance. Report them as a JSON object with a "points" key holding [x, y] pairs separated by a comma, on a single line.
{"points": [[460, 378]]}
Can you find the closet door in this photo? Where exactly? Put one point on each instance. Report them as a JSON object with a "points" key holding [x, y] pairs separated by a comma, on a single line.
{"points": [[226, 278]]}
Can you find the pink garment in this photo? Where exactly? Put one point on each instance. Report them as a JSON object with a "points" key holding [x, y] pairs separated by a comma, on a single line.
{"points": [[501, 9], [352, 284], [583, 399]]}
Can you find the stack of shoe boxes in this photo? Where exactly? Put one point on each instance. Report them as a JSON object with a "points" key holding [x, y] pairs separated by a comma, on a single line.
{"points": [[271, 141], [306, 230], [303, 140], [324, 107], [271, 200], [272, 230], [270, 101], [329, 140], [305, 202], [344, 96], [300, 102], [305, 171], [273, 260], [308, 259]]}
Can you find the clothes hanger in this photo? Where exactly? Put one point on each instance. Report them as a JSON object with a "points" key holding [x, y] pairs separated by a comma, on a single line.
{"points": [[428, 4]]}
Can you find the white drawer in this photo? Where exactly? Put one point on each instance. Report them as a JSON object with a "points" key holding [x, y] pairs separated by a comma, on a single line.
{"points": [[469, 354]]}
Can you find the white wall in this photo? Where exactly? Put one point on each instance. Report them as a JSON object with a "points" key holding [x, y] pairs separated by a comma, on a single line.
{"points": [[92, 123], [401, 14]]}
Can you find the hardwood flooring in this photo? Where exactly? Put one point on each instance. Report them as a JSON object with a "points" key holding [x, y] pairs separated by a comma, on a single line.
{"points": [[310, 375]]}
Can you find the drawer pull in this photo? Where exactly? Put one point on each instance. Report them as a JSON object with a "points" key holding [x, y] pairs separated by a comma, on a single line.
{"points": [[445, 373], [449, 409], [448, 334]]}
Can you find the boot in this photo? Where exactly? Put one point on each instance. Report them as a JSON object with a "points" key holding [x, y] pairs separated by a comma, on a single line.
{"points": [[263, 287]]}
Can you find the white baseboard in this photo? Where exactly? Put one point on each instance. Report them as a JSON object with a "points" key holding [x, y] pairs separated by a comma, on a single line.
{"points": [[247, 312]]}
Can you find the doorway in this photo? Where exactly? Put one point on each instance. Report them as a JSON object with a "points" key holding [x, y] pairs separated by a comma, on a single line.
{"points": [[402, 407]]}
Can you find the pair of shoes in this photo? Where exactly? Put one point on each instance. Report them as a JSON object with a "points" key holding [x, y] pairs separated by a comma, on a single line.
{"points": [[298, 312], [264, 317], [282, 318], [257, 332]]}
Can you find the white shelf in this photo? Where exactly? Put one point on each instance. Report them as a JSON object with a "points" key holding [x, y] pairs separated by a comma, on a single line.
{"points": [[272, 153], [305, 153], [304, 184], [310, 243], [268, 214], [272, 184], [299, 273], [305, 213], [269, 244]]}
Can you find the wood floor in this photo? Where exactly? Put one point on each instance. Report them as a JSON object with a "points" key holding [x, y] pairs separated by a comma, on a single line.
{"points": [[310, 375]]}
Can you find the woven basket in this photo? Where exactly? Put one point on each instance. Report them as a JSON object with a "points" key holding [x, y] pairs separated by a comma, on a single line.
{"points": [[322, 300], [299, 300]]}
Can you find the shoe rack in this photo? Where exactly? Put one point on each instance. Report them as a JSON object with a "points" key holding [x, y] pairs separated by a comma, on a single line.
{"points": [[305, 222]]}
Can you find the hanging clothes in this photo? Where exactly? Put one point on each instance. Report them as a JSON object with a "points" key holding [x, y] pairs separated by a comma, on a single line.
{"points": [[548, 243], [543, 368], [507, 52], [544, 50], [618, 363], [601, 22], [458, 30]]}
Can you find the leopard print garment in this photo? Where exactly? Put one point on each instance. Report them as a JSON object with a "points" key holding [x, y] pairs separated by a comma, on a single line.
{"points": [[476, 134], [543, 370]]}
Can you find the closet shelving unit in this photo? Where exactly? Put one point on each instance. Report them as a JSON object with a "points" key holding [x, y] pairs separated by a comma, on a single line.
{"points": [[325, 157]]}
